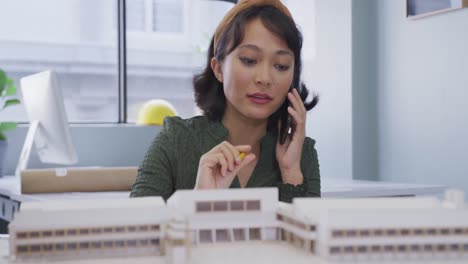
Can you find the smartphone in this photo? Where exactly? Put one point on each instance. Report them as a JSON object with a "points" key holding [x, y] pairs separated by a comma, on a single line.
{"points": [[287, 125]]}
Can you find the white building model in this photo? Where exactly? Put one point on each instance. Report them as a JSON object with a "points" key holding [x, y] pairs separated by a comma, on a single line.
{"points": [[329, 229]]}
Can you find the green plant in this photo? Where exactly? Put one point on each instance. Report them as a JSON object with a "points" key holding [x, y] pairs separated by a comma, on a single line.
{"points": [[7, 92]]}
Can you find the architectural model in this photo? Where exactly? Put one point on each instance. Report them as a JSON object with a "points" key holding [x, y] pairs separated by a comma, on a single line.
{"points": [[330, 229]]}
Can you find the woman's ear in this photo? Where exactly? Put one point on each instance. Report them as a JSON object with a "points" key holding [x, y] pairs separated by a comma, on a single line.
{"points": [[216, 67]]}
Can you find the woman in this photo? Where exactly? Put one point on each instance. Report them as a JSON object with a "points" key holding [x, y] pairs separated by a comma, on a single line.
{"points": [[245, 89]]}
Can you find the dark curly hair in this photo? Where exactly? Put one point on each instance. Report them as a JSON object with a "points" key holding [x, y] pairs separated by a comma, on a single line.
{"points": [[209, 93]]}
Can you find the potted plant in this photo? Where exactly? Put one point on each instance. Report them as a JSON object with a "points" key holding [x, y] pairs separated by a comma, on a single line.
{"points": [[7, 92]]}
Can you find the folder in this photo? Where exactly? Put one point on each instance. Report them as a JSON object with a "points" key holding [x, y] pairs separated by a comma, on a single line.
{"points": [[78, 179]]}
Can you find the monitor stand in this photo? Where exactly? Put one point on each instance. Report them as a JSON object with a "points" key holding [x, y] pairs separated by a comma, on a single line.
{"points": [[26, 151]]}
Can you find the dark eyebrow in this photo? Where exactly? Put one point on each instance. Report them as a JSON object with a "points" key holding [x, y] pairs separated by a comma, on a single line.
{"points": [[257, 49]]}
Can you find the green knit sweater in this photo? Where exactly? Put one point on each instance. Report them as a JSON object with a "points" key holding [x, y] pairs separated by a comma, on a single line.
{"points": [[171, 162]]}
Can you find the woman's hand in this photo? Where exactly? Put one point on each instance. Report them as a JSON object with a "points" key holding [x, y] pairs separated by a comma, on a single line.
{"points": [[219, 166], [289, 154]]}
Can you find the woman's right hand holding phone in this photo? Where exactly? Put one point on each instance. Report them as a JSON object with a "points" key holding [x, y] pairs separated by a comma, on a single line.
{"points": [[218, 167]]}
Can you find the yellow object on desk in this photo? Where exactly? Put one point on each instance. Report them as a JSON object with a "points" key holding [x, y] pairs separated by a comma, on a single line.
{"points": [[153, 112]]}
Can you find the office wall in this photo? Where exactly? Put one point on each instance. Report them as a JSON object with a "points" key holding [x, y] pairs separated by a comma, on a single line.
{"points": [[329, 75], [422, 69]]}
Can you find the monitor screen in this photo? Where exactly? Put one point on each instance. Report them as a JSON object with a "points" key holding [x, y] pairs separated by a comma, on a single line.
{"points": [[43, 100]]}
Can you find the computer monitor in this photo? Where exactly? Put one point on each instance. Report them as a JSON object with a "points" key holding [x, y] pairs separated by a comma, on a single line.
{"points": [[49, 130]]}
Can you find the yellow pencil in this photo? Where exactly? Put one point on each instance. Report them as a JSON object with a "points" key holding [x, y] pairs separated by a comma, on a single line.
{"points": [[242, 155]]}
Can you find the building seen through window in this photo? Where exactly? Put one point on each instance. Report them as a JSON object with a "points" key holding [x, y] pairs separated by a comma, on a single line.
{"points": [[166, 45]]}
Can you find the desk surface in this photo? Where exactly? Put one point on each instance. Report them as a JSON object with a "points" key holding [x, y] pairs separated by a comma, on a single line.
{"points": [[330, 188]]}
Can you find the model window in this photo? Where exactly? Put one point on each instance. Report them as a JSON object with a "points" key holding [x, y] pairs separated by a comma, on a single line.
{"points": [[205, 236], [337, 233], [388, 248], [220, 206], [401, 248], [22, 235], [120, 229], [96, 231], [405, 232], [364, 233], [375, 248], [378, 232], [239, 234], [108, 230], [143, 228], [47, 233], [348, 249], [84, 245], [119, 243], [131, 243], [253, 205], [445, 231], [428, 247], [47, 247], [72, 246], [222, 235], [441, 247], [22, 249], [279, 217], [418, 232], [283, 234], [432, 231], [415, 247], [351, 233], [203, 206], [391, 232], [154, 242], [108, 244], [35, 248], [254, 234], [143, 242], [312, 246], [34, 234], [84, 231], [362, 249], [59, 247], [131, 229], [96, 244], [458, 231], [334, 250], [59, 232], [237, 205]]}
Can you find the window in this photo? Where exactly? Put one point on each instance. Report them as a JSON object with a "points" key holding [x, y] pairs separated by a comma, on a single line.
{"points": [[222, 235], [75, 38], [253, 205], [203, 206], [166, 43], [255, 234], [205, 236], [237, 205], [220, 205], [239, 234]]}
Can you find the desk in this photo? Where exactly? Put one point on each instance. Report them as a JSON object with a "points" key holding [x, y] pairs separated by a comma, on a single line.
{"points": [[10, 197]]}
